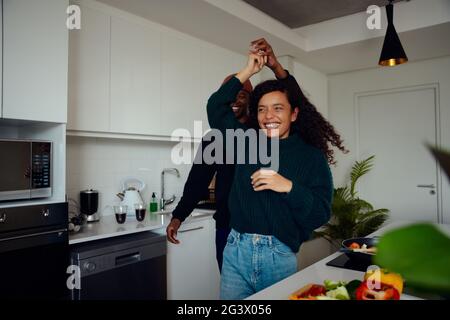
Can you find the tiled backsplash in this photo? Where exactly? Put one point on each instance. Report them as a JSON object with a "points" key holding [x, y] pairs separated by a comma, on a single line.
{"points": [[101, 164]]}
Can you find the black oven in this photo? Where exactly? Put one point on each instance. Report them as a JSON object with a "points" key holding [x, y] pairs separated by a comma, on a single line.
{"points": [[34, 252], [25, 169]]}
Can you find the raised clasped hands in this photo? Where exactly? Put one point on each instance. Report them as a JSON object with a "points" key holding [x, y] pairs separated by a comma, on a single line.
{"points": [[262, 47]]}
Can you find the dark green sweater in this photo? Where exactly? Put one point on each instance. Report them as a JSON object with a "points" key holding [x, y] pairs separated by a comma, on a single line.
{"points": [[291, 217]]}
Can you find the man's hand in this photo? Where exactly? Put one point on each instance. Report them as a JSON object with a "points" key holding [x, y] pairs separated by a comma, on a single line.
{"points": [[172, 229], [264, 179], [254, 65], [261, 46]]}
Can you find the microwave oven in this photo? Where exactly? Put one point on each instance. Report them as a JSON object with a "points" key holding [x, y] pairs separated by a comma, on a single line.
{"points": [[25, 169]]}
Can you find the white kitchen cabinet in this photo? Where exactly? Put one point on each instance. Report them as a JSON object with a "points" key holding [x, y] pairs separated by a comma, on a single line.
{"points": [[181, 84], [192, 271], [89, 72], [35, 60], [130, 77], [135, 77]]}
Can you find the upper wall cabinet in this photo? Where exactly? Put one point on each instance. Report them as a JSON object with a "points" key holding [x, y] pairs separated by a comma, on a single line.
{"points": [[135, 78], [181, 78], [130, 76], [89, 62], [35, 54]]}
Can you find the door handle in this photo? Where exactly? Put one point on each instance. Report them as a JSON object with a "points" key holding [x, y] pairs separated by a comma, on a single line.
{"points": [[128, 258], [430, 186], [187, 230]]}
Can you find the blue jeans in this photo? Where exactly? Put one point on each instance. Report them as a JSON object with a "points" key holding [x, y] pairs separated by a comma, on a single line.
{"points": [[252, 262]]}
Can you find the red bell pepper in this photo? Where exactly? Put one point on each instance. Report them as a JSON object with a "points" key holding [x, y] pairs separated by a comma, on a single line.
{"points": [[380, 291]]}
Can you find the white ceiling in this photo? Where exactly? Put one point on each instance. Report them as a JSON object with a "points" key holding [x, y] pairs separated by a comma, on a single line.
{"points": [[333, 46]]}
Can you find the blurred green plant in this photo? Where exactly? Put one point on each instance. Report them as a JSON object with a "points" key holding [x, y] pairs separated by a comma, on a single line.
{"points": [[420, 253], [352, 216]]}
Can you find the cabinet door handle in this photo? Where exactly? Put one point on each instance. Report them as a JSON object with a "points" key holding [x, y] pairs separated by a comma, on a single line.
{"points": [[187, 230], [431, 186]]}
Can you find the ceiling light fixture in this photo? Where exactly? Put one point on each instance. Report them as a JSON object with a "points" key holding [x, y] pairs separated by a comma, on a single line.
{"points": [[392, 53]]}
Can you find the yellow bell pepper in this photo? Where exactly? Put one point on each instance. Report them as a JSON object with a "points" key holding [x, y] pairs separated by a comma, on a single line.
{"points": [[386, 277]]}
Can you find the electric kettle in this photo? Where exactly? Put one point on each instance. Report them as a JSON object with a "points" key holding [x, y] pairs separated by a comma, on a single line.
{"points": [[131, 194]]}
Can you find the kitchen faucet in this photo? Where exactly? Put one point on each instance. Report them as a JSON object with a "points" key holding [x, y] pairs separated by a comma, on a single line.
{"points": [[164, 202]]}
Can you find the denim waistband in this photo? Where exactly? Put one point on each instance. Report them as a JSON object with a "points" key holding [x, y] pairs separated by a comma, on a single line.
{"points": [[255, 238]]}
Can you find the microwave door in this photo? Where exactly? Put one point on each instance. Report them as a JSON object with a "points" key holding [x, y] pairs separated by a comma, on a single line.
{"points": [[41, 170], [15, 170]]}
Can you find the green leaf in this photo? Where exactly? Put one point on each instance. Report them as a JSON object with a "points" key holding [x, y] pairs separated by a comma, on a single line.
{"points": [[362, 205], [370, 222], [359, 169], [420, 253]]}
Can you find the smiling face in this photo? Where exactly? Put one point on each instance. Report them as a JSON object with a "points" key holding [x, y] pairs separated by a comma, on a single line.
{"points": [[240, 106], [275, 114]]}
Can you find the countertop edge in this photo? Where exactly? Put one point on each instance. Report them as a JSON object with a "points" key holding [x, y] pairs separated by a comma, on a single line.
{"points": [[113, 234], [197, 215]]}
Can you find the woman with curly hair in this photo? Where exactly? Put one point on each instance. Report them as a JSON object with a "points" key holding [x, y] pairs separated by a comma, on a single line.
{"points": [[272, 213]]}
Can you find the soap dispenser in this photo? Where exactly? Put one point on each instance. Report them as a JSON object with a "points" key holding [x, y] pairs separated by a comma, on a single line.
{"points": [[153, 203]]}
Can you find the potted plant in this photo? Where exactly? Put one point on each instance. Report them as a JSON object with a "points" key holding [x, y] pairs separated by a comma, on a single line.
{"points": [[352, 216]]}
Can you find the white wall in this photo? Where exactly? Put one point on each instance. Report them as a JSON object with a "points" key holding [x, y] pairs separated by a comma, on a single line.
{"points": [[343, 87], [314, 85], [101, 164]]}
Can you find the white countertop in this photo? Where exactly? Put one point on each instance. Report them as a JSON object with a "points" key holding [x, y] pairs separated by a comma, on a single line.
{"points": [[317, 273], [108, 227]]}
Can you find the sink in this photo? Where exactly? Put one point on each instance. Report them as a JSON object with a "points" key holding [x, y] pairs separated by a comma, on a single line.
{"points": [[206, 206], [169, 209]]}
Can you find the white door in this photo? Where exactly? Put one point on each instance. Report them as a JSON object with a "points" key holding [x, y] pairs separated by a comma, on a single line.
{"points": [[89, 62], [192, 272], [135, 77], [180, 107], [35, 54], [394, 126]]}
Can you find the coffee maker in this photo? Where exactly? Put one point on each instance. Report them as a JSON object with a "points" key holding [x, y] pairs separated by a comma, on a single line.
{"points": [[89, 205]]}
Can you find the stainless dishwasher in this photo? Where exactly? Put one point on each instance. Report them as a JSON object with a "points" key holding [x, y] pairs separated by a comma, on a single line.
{"points": [[130, 267]]}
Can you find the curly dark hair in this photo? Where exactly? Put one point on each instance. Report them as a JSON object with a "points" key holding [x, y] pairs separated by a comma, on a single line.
{"points": [[312, 127]]}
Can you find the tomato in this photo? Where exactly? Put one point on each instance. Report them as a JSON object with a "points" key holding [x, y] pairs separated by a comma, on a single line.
{"points": [[354, 245]]}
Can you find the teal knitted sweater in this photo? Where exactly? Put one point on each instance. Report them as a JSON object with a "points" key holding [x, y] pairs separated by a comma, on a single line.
{"points": [[291, 217]]}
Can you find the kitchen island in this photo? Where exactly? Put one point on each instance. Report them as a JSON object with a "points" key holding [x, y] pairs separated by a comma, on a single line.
{"points": [[319, 271]]}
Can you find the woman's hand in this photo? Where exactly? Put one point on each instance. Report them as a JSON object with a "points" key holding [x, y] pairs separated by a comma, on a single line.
{"points": [[264, 179], [254, 65]]}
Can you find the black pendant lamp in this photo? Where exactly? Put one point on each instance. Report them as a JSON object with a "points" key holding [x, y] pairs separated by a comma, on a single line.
{"points": [[392, 53]]}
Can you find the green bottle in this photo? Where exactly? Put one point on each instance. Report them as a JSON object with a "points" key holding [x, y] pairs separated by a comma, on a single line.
{"points": [[153, 203]]}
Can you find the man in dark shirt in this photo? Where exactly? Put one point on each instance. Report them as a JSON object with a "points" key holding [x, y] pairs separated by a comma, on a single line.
{"points": [[201, 173], [199, 180]]}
